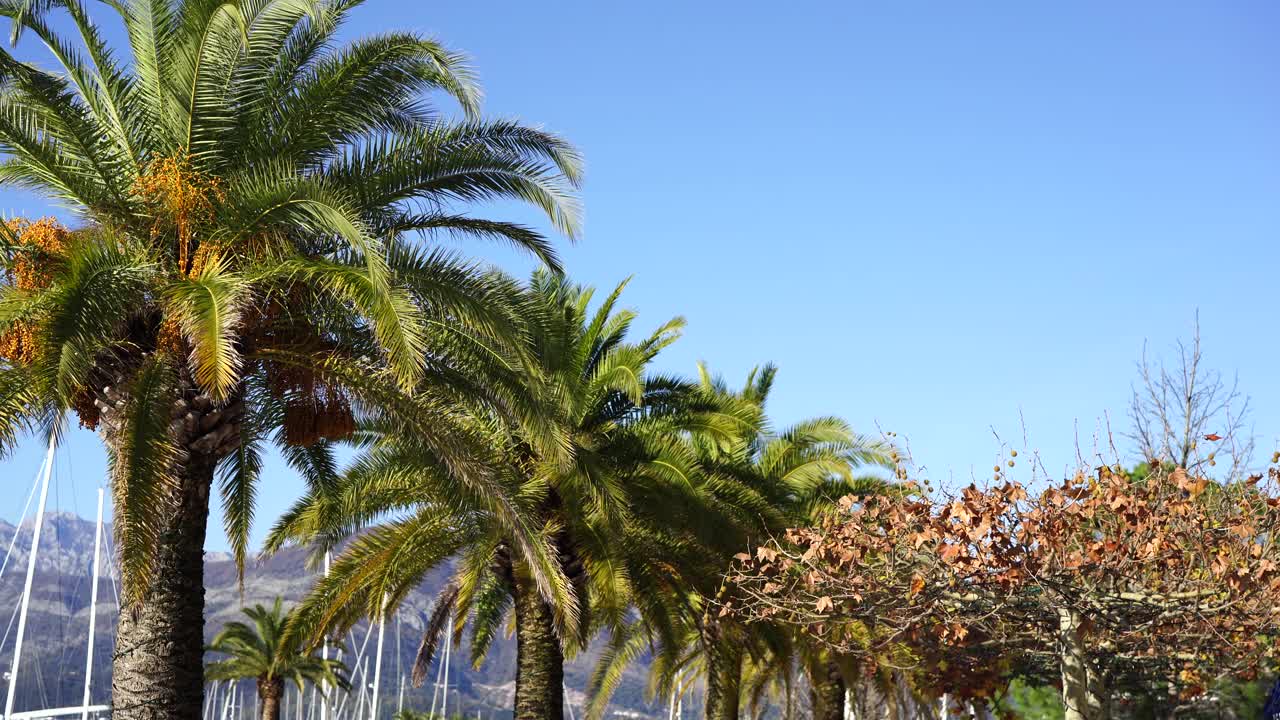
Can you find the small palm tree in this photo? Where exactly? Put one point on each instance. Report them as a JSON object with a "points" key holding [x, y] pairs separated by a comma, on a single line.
{"points": [[261, 652]]}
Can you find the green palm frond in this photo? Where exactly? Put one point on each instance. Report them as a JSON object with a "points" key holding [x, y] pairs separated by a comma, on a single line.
{"points": [[374, 572], [626, 646], [238, 485], [20, 410], [209, 310], [101, 285], [263, 651], [142, 459], [259, 184]]}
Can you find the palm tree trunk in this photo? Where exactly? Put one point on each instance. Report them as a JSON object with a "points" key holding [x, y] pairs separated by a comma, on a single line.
{"points": [[157, 669], [828, 691], [269, 693], [724, 671], [539, 659], [158, 665]]}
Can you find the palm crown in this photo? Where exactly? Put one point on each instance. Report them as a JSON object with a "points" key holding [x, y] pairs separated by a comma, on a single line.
{"points": [[747, 485], [586, 483], [244, 270], [248, 186]]}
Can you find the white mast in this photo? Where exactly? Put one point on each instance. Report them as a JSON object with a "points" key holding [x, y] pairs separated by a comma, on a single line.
{"points": [[211, 706], [377, 662], [324, 653], [399, 667], [93, 609], [226, 703], [359, 670], [31, 571], [435, 695], [448, 648]]}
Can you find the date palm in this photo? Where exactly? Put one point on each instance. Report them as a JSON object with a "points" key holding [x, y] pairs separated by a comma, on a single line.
{"points": [[757, 482], [260, 652], [589, 484], [248, 270]]}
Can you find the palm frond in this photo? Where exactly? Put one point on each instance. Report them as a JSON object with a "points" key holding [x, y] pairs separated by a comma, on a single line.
{"points": [[143, 462], [209, 307]]}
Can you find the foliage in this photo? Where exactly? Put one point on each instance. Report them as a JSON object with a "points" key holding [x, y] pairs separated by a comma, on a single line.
{"points": [[1033, 702], [579, 460], [746, 484], [1111, 580], [252, 190], [262, 652]]}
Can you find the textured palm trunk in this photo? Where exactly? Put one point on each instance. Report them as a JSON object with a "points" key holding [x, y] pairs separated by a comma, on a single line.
{"points": [[158, 665], [157, 670], [724, 671], [828, 692], [269, 693], [539, 659]]}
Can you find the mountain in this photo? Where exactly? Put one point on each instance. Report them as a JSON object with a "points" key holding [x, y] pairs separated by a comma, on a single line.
{"points": [[54, 652]]}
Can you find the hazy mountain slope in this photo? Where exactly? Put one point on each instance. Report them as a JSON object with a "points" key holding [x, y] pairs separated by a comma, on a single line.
{"points": [[53, 664]]}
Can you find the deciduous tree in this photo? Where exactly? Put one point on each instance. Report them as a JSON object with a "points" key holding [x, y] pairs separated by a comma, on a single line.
{"points": [[1094, 582]]}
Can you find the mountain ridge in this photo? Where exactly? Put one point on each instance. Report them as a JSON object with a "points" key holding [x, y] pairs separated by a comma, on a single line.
{"points": [[52, 669]]}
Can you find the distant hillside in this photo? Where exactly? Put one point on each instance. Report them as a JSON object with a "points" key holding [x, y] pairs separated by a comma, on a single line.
{"points": [[52, 670]]}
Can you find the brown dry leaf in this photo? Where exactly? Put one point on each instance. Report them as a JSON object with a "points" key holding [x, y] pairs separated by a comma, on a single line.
{"points": [[917, 585]]}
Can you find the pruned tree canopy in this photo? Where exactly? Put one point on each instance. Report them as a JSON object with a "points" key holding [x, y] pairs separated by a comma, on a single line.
{"points": [[1097, 583]]}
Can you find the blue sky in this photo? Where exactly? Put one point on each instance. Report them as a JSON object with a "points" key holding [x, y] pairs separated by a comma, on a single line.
{"points": [[940, 219]]}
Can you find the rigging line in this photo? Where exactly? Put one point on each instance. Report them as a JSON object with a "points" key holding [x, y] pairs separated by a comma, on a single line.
{"points": [[111, 569], [358, 671], [377, 665], [35, 484], [40, 684], [14, 616]]}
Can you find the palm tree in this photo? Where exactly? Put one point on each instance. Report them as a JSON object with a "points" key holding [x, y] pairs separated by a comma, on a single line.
{"points": [[756, 483], [247, 271], [262, 653], [587, 481]]}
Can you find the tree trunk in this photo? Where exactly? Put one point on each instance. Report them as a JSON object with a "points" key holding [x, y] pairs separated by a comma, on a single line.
{"points": [[828, 691], [158, 665], [539, 659], [158, 670], [724, 671], [1084, 694], [270, 691]]}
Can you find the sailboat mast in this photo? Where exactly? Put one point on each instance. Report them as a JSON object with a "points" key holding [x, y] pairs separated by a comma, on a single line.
{"points": [[31, 571], [377, 662], [399, 667], [93, 609], [324, 653], [448, 649]]}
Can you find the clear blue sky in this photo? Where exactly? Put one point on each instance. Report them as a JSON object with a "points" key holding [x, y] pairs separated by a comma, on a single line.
{"points": [[937, 217]]}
